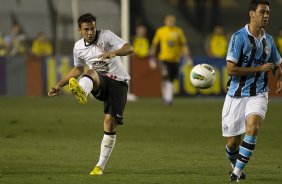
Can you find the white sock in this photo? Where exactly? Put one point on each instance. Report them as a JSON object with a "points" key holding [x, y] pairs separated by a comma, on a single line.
{"points": [[167, 91], [237, 171], [107, 147], [86, 84]]}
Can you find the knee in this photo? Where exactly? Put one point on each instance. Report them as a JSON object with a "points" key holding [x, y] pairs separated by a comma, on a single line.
{"points": [[233, 142], [233, 145], [90, 72], [93, 74], [253, 124], [252, 128], [110, 123]]}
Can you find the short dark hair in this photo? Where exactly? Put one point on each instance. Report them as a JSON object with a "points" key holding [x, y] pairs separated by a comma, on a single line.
{"points": [[254, 3], [87, 17]]}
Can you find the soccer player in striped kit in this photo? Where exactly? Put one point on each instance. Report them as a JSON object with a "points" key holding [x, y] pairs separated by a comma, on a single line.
{"points": [[252, 53], [105, 78]]}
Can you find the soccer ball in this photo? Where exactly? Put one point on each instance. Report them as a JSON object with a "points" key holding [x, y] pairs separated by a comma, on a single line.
{"points": [[202, 76]]}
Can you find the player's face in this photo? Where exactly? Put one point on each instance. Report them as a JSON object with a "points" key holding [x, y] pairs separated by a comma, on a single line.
{"points": [[261, 15], [170, 21], [88, 31]]}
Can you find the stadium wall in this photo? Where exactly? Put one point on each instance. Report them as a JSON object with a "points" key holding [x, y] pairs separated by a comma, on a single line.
{"points": [[33, 76]]}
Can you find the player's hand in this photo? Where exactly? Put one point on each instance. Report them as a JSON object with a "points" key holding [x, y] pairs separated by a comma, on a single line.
{"points": [[278, 76], [279, 87], [267, 67], [107, 55], [188, 60], [153, 63], [54, 91]]}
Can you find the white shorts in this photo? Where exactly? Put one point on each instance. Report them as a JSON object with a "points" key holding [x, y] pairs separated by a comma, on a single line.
{"points": [[236, 110]]}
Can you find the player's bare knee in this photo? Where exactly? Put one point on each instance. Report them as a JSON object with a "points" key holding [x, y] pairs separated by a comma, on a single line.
{"points": [[94, 75], [252, 129], [233, 142], [110, 124]]}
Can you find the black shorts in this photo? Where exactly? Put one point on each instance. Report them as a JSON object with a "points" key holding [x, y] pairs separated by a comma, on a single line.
{"points": [[169, 70], [114, 95]]}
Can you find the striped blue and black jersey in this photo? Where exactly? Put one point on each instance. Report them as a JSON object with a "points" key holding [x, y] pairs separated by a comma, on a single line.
{"points": [[247, 51]]}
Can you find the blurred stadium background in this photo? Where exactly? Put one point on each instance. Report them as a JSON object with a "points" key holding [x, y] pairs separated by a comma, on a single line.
{"points": [[23, 74], [54, 140]]}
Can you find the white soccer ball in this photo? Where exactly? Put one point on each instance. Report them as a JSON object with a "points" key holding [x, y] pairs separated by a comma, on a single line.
{"points": [[202, 76]]}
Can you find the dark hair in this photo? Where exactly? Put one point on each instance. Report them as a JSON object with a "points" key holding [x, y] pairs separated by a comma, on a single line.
{"points": [[87, 17], [254, 3]]}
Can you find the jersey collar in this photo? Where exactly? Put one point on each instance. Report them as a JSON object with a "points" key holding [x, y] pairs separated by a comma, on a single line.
{"points": [[262, 31]]}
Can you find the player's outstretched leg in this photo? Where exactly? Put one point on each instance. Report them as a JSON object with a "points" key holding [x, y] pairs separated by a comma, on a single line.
{"points": [[77, 90]]}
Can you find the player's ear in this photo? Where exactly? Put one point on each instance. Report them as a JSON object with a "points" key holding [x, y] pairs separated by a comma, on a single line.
{"points": [[251, 14]]}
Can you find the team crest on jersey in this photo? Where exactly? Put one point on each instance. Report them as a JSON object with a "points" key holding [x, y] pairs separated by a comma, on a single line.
{"points": [[100, 47]]}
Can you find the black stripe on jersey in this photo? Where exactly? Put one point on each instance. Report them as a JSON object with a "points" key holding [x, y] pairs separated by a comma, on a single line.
{"points": [[265, 80], [241, 83], [254, 85], [243, 79], [264, 54], [248, 145]]}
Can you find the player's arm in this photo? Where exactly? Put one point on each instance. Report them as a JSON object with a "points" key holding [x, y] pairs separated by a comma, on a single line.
{"points": [[125, 50], [278, 75], [153, 50], [75, 72], [277, 60], [186, 52], [155, 42], [233, 69]]}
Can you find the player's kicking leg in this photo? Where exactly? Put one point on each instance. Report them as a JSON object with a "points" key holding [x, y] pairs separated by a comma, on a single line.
{"points": [[81, 89]]}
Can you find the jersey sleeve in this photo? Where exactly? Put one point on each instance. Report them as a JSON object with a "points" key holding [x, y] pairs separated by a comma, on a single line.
{"points": [[114, 41], [76, 59], [274, 55], [235, 48]]}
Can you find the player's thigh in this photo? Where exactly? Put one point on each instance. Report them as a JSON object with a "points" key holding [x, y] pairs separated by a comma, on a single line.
{"points": [[257, 105], [102, 92], [116, 101], [173, 71], [94, 75], [164, 70], [233, 116], [169, 70]]}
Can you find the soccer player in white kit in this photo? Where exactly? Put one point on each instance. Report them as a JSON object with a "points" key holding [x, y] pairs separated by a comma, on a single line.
{"points": [[106, 78], [251, 54]]}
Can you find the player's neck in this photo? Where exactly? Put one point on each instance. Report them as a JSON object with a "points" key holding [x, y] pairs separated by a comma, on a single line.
{"points": [[255, 31]]}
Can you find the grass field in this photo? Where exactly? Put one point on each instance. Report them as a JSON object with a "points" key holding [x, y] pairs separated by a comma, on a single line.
{"points": [[56, 140]]}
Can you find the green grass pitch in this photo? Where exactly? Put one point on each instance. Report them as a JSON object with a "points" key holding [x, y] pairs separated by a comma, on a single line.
{"points": [[55, 140]]}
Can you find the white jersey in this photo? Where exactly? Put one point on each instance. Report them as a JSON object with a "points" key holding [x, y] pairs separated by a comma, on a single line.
{"points": [[105, 41]]}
